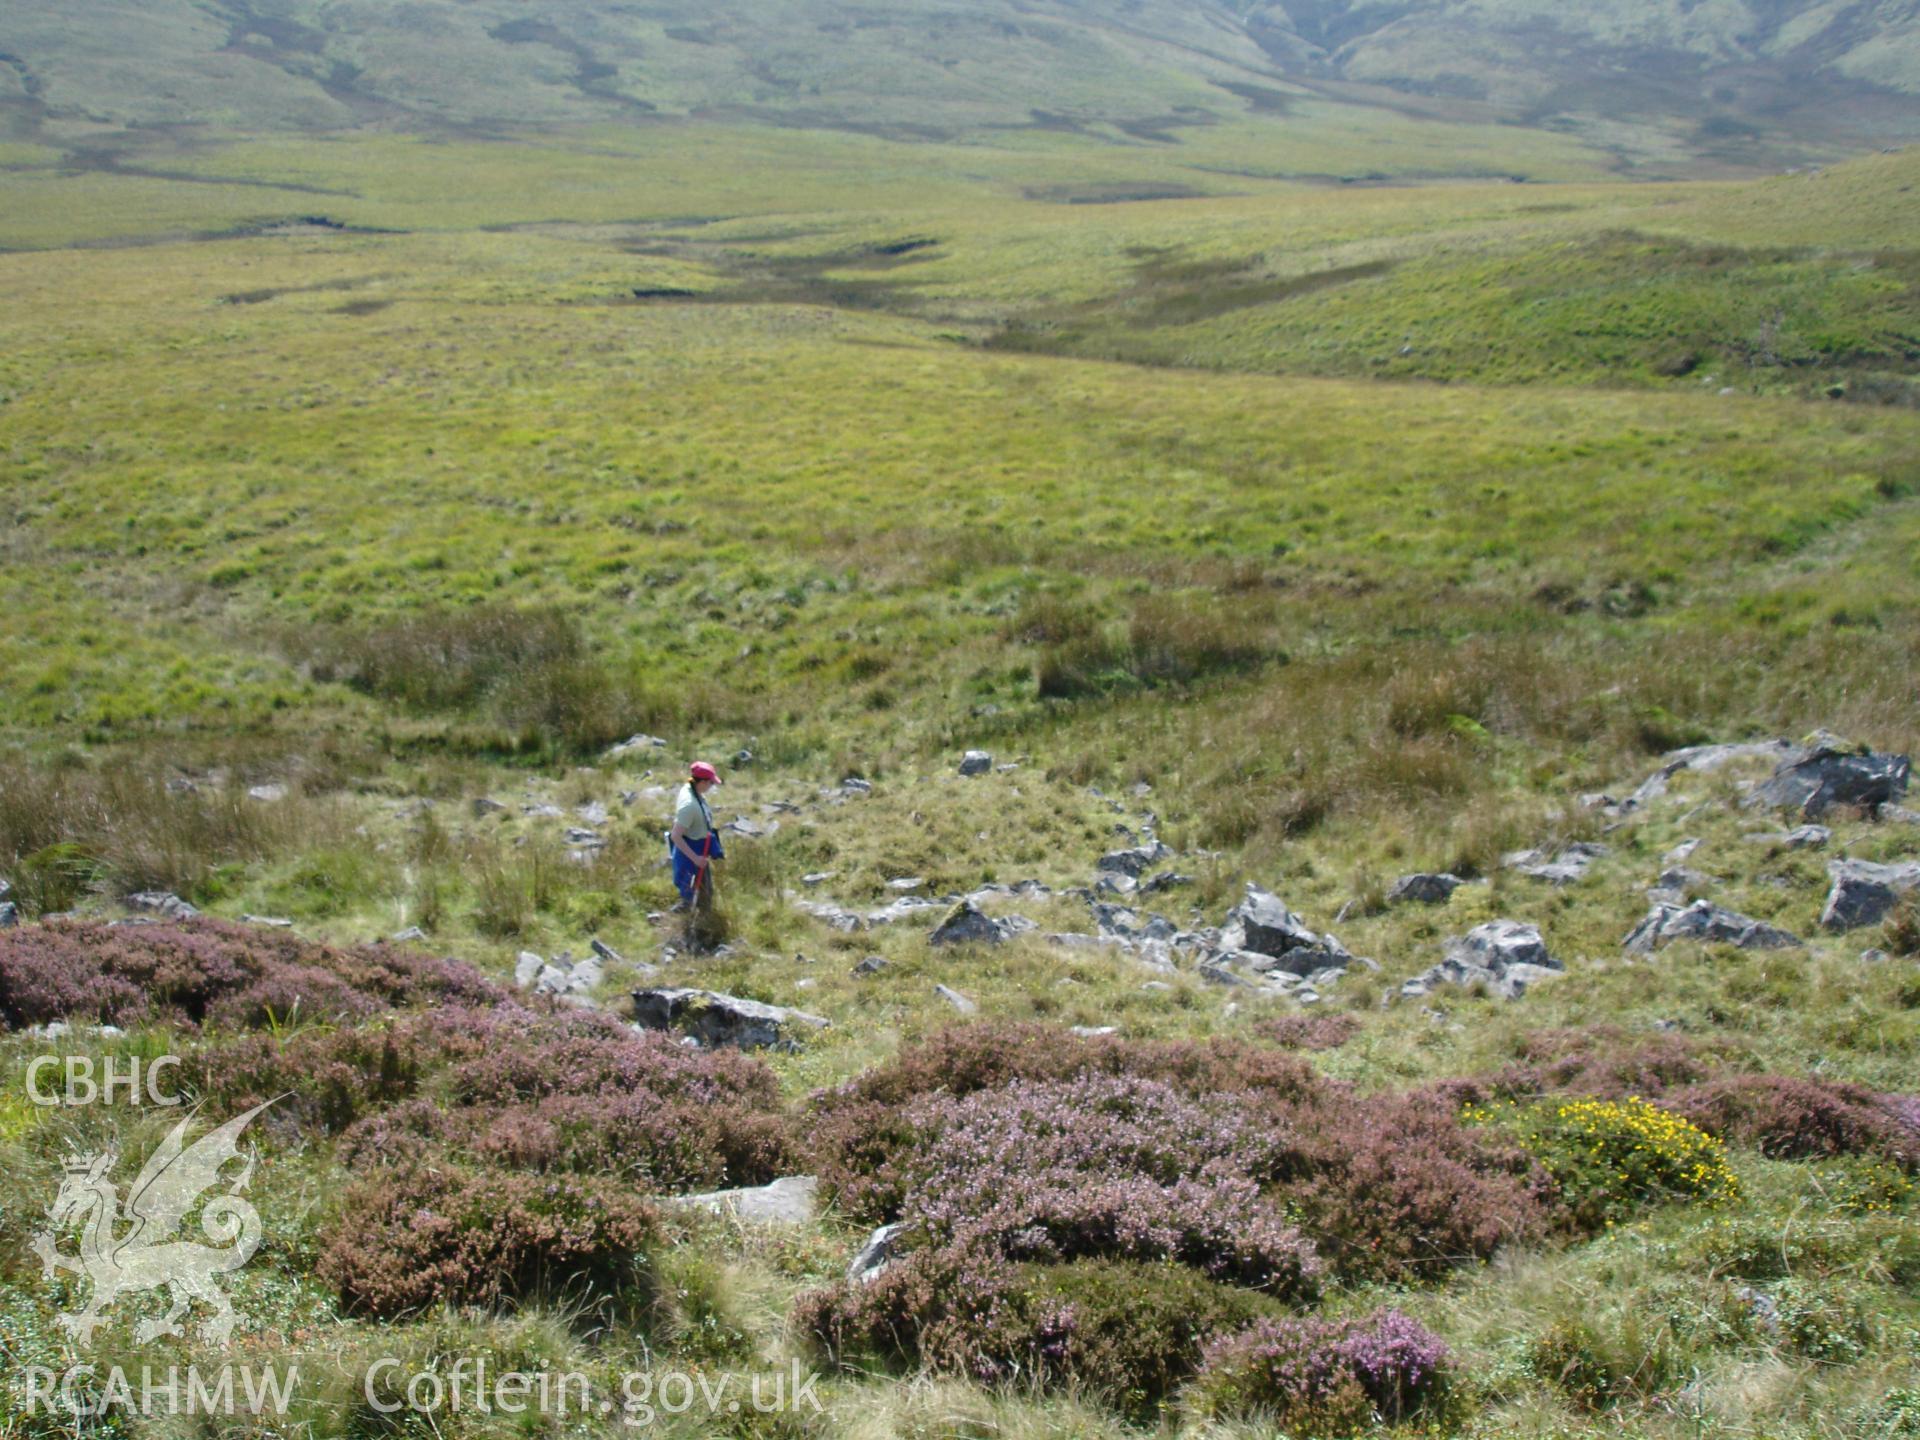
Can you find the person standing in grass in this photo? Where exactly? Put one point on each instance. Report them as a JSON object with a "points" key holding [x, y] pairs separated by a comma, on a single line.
{"points": [[693, 843]]}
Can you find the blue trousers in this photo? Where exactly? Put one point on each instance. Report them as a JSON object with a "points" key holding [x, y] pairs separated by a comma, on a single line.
{"points": [[684, 870]]}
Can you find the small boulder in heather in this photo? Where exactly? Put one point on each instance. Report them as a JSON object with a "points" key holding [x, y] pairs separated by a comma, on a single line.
{"points": [[715, 1019], [786, 1201]]}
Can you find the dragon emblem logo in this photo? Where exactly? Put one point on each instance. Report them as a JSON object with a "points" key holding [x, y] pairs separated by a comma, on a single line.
{"points": [[125, 1249]]}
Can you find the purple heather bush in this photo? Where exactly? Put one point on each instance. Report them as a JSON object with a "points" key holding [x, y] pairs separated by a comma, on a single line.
{"points": [[1796, 1119], [1103, 1166], [521, 1088], [1391, 1187], [1309, 1032], [425, 1235], [214, 973], [1314, 1377]]}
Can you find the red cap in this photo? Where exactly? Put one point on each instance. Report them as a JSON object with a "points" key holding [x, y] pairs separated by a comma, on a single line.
{"points": [[703, 771]]}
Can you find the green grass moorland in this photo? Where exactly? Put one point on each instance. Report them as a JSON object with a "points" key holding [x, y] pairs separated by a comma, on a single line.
{"points": [[1326, 532]]}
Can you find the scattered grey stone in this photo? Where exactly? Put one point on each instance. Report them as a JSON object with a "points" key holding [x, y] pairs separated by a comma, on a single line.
{"points": [[968, 924], [543, 812], [408, 935], [593, 813], [872, 965], [1263, 924], [1094, 1032], [485, 805], [1702, 759], [1666, 1027], [1678, 879], [1568, 866], [883, 1247], [1505, 956], [271, 922], [1110, 882], [1155, 985], [1426, 889], [903, 908], [1828, 774], [162, 903], [752, 829], [1873, 957], [817, 877], [1864, 892], [1703, 920], [584, 838], [1500, 944], [1215, 972], [906, 882], [181, 785], [1763, 1309], [714, 1019], [1071, 940], [1135, 860], [1598, 800], [832, 916], [1901, 814], [855, 785], [788, 1201], [605, 951], [9, 915], [637, 742], [976, 762], [956, 1000], [1801, 837], [1165, 880], [1681, 853], [1008, 768], [269, 792]]}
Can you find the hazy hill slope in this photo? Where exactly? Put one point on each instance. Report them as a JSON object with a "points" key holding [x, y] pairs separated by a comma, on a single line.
{"points": [[914, 63], [1741, 82], [1828, 66]]}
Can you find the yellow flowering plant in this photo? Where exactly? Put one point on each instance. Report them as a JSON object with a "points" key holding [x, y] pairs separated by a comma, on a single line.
{"points": [[1610, 1157]]}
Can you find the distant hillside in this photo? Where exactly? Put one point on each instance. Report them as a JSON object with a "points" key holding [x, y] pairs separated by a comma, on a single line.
{"points": [[1738, 82], [1738, 67]]}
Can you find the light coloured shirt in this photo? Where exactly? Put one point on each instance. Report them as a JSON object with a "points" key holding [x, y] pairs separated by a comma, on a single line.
{"points": [[690, 815]]}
